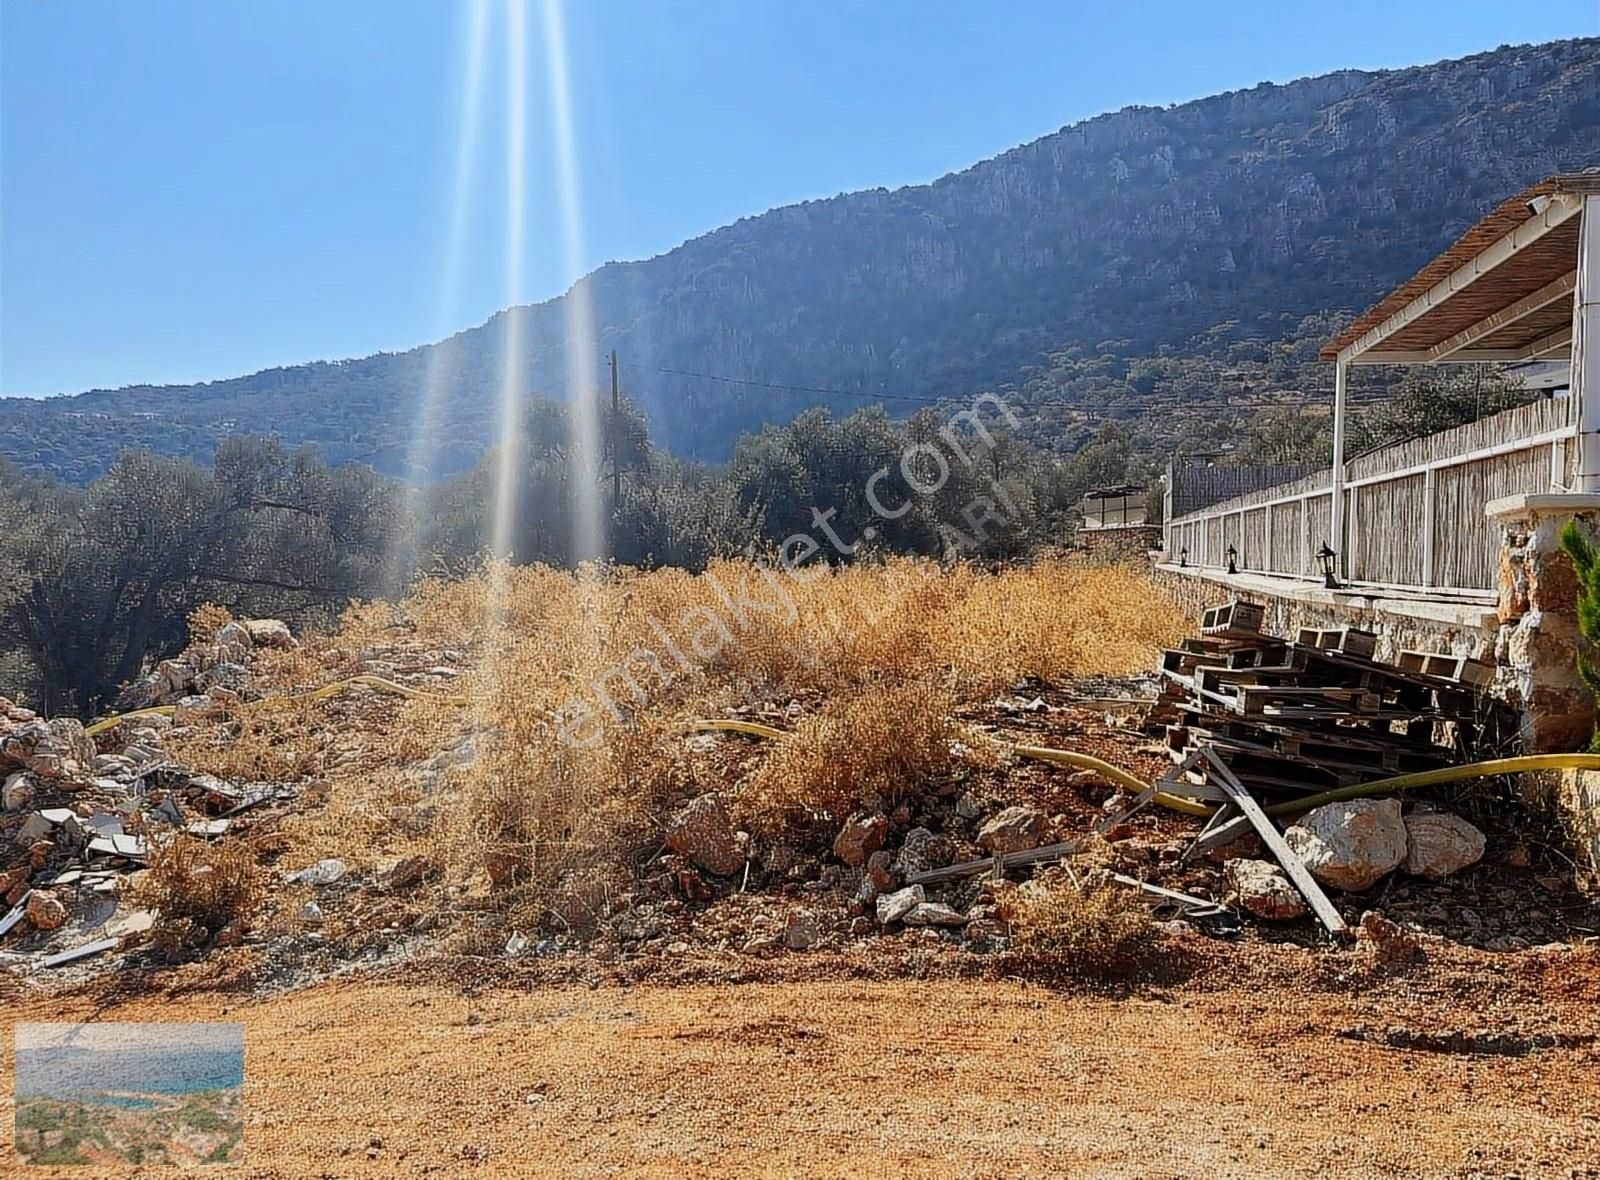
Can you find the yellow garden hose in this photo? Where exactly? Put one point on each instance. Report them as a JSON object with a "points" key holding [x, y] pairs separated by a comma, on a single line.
{"points": [[318, 694], [1448, 774], [1039, 753], [1404, 782]]}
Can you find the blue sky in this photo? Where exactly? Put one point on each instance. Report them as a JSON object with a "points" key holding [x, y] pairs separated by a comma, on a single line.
{"points": [[193, 189]]}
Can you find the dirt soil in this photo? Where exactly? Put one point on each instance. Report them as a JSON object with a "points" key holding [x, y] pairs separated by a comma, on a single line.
{"points": [[1286, 1069]]}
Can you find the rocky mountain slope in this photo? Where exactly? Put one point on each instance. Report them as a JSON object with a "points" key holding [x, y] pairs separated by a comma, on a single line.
{"points": [[1124, 235]]}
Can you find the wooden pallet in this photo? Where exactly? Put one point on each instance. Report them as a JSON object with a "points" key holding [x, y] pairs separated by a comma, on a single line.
{"points": [[1456, 669], [1232, 618], [1347, 641]]}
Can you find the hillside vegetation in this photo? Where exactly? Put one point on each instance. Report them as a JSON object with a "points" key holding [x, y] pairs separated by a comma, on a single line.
{"points": [[1128, 267]]}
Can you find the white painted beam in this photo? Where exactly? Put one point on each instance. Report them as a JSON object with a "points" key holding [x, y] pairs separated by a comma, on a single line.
{"points": [[1340, 397], [1505, 317], [1586, 348], [1562, 208]]}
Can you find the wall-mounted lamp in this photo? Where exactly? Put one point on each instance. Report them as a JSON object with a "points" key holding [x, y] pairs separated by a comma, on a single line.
{"points": [[1233, 560], [1326, 556], [1183, 558]]}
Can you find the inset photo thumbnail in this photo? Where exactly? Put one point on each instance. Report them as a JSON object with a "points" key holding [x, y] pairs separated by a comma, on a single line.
{"points": [[156, 1094]]}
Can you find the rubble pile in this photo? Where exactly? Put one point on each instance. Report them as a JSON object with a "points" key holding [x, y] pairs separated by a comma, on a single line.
{"points": [[208, 676], [79, 818]]}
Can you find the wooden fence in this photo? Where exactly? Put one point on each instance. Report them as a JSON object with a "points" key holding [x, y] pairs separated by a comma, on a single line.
{"points": [[1414, 513]]}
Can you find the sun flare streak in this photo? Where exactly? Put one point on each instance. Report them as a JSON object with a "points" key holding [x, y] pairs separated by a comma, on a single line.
{"points": [[589, 533], [424, 446]]}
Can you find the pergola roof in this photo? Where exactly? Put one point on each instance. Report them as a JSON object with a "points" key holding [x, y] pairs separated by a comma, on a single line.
{"points": [[1501, 292]]}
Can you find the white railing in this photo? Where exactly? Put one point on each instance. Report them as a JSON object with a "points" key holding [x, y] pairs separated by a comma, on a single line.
{"points": [[1413, 513]]}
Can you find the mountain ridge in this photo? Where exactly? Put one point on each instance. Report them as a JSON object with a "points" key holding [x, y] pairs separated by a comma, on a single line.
{"points": [[1129, 232]]}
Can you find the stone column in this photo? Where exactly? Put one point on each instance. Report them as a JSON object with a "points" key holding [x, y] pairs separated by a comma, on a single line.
{"points": [[1538, 640]]}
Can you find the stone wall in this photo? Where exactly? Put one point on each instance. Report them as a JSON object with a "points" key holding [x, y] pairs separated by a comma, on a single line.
{"points": [[1457, 631]]}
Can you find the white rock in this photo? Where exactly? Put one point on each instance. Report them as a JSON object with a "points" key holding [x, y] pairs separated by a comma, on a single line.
{"points": [[1350, 845], [1264, 890], [17, 792], [894, 906], [800, 931], [934, 913], [270, 633], [324, 872], [1438, 844]]}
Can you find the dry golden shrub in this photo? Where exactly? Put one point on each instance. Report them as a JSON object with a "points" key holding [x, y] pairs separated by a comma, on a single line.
{"points": [[277, 740], [197, 890], [868, 749], [581, 683], [206, 620], [1088, 927]]}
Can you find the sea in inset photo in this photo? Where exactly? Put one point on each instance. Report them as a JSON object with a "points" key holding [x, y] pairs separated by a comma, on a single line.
{"points": [[153, 1094]]}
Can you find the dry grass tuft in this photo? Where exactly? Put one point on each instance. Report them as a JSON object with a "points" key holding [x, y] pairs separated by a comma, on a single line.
{"points": [[199, 890], [206, 620], [867, 750], [1089, 927]]}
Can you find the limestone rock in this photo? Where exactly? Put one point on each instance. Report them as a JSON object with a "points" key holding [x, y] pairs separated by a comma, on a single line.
{"points": [[1386, 941], [56, 749], [1015, 829], [861, 836], [192, 710], [1438, 844], [234, 641], [1350, 845], [45, 911], [269, 633], [143, 693], [800, 931], [920, 851], [235, 677], [892, 907], [703, 833], [1264, 890], [177, 675], [933, 913]]}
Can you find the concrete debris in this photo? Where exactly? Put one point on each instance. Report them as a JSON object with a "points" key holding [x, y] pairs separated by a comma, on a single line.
{"points": [[76, 953]]}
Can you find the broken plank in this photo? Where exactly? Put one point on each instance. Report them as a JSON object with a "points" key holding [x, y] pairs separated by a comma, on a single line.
{"points": [[1187, 899], [1273, 839], [80, 952], [15, 916]]}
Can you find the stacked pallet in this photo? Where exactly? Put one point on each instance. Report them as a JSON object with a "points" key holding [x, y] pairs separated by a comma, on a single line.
{"points": [[1319, 711]]}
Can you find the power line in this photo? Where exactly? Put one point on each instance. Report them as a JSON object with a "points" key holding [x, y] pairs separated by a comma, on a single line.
{"points": [[1087, 402]]}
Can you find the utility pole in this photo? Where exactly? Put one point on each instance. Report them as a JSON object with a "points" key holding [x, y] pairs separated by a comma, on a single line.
{"points": [[616, 436]]}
